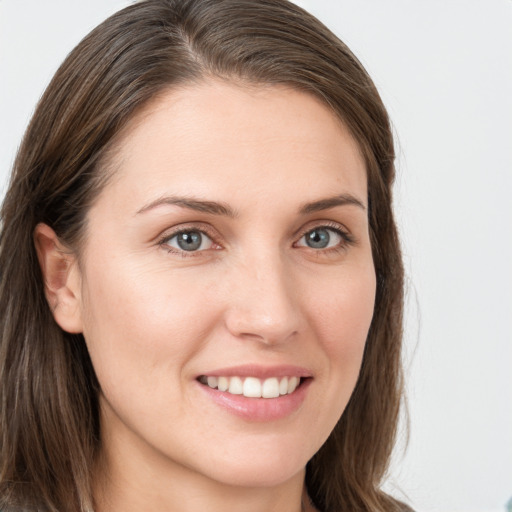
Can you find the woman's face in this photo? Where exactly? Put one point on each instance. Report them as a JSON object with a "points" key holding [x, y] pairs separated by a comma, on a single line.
{"points": [[228, 257]]}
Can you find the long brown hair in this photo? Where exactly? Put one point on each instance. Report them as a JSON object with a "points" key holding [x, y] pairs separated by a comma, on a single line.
{"points": [[49, 421]]}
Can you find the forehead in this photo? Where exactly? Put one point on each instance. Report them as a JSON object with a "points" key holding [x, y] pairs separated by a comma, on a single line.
{"points": [[217, 136]]}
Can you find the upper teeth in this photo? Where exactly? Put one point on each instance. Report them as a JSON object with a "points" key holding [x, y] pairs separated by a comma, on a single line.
{"points": [[253, 387]]}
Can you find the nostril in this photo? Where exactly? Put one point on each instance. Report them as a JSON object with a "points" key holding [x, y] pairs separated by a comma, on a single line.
{"points": [[262, 327]]}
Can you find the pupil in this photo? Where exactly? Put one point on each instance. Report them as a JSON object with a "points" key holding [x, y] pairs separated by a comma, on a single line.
{"points": [[189, 241], [318, 238]]}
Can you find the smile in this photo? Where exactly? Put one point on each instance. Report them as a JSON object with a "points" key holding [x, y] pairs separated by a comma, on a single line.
{"points": [[252, 387]]}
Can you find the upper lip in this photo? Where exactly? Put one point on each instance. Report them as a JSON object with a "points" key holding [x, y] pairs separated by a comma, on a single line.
{"points": [[259, 371]]}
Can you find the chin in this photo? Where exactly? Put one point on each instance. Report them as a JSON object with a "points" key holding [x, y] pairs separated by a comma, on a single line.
{"points": [[259, 465], [258, 475]]}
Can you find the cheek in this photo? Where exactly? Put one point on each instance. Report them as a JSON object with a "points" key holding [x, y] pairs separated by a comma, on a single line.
{"points": [[343, 320], [343, 314], [141, 327], [341, 317]]}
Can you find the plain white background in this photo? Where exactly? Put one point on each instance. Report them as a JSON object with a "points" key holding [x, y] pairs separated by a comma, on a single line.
{"points": [[444, 69]]}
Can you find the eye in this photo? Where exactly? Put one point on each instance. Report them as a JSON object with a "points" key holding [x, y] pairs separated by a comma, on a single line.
{"points": [[323, 238], [191, 240]]}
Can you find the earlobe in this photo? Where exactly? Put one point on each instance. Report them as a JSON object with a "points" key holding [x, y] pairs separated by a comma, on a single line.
{"points": [[61, 278]]}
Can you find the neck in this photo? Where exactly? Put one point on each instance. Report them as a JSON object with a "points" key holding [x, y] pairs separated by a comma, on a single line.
{"points": [[139, 478], [182, 492]]}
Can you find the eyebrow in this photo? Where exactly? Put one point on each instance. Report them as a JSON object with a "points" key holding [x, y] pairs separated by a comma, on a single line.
{"points": [[331, 202], [198, 205], [218, 208]]}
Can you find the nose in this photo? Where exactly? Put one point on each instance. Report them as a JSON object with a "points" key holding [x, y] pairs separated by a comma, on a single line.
{"points": [[263, 302]]}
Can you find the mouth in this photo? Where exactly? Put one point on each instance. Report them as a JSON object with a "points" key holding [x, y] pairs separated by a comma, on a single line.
{"points": [[253, 387], [258, 393]]}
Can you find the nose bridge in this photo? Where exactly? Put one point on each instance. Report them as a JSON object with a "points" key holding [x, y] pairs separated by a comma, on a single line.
{"points": [[263, 303]]}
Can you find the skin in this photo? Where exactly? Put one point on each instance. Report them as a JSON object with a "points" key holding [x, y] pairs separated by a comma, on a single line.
{"points": [[154, 317]]}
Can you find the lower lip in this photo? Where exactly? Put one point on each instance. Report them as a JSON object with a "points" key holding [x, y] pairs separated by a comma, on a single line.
{"points": [[259, 409]]}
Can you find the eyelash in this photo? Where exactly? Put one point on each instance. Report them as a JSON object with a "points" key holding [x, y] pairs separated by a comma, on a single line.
{"points": [[204, 230], [347, 239]]}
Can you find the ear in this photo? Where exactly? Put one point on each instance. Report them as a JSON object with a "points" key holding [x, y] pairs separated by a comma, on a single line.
{"points": [[61, 276]]}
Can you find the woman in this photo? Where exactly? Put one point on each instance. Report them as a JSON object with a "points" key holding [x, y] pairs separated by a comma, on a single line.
{"points": [[201, 288]]}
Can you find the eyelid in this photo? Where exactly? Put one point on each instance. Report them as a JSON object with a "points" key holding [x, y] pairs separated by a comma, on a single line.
{"points": [[200, 227], [347, 239], [216, 238], [326, 224]]}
